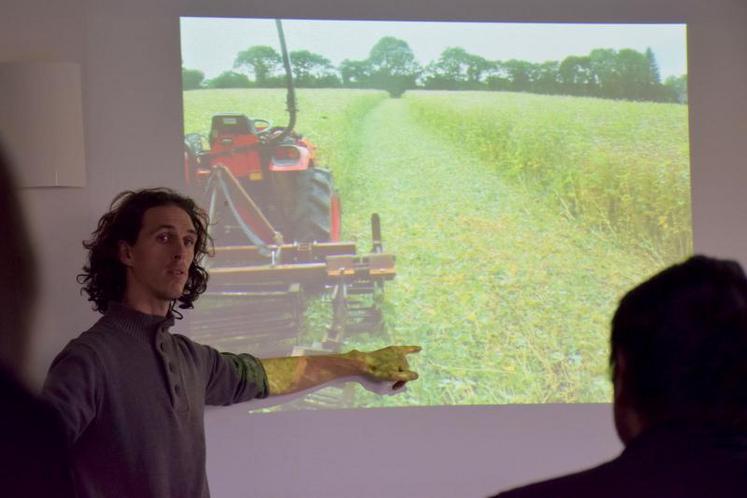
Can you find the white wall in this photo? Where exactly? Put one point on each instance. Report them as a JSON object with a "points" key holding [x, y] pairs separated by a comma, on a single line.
{"points": [[130, 56]]}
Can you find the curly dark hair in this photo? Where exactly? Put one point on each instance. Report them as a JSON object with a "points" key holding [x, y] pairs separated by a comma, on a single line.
{"points": [[683, 334], [104, 276]]}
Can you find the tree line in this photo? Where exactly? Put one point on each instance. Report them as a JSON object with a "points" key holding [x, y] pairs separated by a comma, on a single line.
{"points": [[391, 66]]}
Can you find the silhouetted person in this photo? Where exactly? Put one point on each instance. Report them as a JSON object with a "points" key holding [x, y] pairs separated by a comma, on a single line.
{"points": [[679, 369], [33, 459]]}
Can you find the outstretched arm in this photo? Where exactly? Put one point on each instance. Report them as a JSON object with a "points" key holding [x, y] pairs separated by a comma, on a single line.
{"points": [[296, 373]]}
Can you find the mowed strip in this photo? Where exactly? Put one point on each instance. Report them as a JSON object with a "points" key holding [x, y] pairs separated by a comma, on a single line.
{"points": [[510, 301]]}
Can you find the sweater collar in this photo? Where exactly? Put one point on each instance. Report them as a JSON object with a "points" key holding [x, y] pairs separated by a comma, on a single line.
{"points": [[135, 322]]}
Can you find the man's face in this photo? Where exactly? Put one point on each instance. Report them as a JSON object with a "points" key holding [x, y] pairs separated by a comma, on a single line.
{"points": [[158, 263]]}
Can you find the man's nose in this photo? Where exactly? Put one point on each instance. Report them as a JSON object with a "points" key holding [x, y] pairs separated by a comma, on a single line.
{"points": [[180, 251]]}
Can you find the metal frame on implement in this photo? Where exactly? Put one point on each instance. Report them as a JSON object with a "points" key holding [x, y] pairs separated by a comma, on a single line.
{"points": [[273, 279]]}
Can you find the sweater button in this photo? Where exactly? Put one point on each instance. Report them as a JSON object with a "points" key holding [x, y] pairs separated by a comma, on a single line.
{"points": [[162, 346], [177, 389], [171, 368]]}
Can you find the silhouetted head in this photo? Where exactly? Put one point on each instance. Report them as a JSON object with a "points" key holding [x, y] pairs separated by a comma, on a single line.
{"points": [[679, 348], [17, 274], [104, 276]]}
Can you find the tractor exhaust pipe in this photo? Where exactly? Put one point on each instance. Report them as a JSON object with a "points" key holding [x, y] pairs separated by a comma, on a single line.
{"points": [[291, 94]]}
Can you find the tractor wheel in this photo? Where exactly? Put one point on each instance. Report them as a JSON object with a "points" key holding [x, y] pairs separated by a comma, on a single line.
{"points": [[316, 217]]}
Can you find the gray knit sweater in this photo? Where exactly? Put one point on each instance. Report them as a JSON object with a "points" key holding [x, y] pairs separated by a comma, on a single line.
{"points": [[132, 396]]}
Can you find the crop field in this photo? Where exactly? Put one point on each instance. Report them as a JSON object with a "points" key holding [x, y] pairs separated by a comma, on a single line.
{"points": [[517, 221]]}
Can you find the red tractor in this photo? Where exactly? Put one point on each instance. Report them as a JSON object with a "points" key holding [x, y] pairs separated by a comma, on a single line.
{"points": [[277, 170]]}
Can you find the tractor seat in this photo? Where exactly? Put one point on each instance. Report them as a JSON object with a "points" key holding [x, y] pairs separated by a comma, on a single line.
{"points": [[228, 126]]}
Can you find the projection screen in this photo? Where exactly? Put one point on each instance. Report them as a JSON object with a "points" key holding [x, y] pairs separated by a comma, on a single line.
{"points": [[522, 178]]}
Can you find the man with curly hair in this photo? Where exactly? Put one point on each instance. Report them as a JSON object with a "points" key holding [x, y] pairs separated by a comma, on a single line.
{"points": [[131, 393]]}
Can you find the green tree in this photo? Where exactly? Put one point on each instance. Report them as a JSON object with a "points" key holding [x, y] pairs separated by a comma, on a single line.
{"points": [[576, 76], [499, 77], [449, 72], [520, 73], [605, 72], [229, 79], [355, 74], [435, 78], [310, 69], [457, 69], [192, 78], [572, 73], [547, 78], [477, 69], [653, 67], [675, 88], [655, 90], [393, 66], [634, 73], [260, 60]]}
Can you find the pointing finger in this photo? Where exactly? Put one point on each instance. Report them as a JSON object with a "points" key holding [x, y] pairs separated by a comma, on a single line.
{"points": [[410, 349]]}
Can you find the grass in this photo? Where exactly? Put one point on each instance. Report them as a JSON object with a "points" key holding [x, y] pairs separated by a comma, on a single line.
{"points": [[620, 167], [509, 299]]}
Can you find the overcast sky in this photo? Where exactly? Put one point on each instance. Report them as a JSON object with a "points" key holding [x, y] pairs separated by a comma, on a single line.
{"points": [[211, 44]]}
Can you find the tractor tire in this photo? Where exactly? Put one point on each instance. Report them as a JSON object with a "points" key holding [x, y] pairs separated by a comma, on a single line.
{"points": [[313, 217], [192, 150]]}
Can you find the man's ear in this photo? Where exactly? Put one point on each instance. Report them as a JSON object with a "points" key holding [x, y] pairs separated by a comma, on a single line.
{"points": [[621, 366], [629, 422], [125, 253]]}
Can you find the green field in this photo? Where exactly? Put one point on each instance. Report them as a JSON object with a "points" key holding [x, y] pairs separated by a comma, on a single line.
{"points": [[518, 221]]}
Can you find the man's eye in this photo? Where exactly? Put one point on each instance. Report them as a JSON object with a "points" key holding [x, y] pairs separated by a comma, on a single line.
{"points": [[163, 237], [189, 242]]}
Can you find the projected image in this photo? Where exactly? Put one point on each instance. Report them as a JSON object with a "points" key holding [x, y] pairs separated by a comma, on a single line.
{"points": [[487, 191]]}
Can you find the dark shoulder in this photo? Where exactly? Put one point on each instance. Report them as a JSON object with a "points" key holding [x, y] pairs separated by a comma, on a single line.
{"points": [[594, 482], [85, 347], [34, 456], [660, 463], [19, 405], [105, 333], [89, 350], [92, 338]]}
